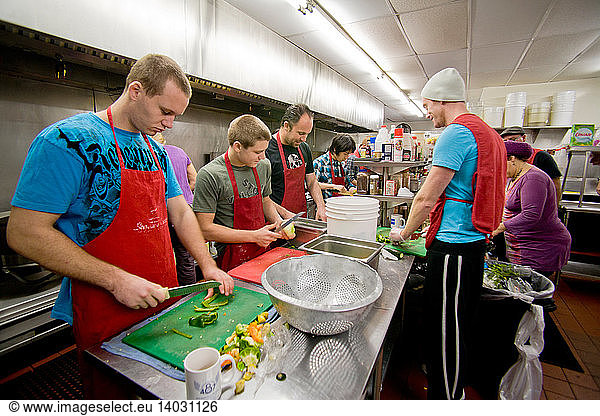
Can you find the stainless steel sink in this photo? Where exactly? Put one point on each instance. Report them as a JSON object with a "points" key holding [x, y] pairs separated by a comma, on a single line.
{"points": [[362, 250]]}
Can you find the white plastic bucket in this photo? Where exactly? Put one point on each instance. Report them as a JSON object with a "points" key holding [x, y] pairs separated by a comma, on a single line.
{"points": [[516, 99], [564, 97], [351, 216], [352, 201], [563, 106], [561, 118], [493, 116], [476, 108], [538, 114], [362, 229], [513, 116]]}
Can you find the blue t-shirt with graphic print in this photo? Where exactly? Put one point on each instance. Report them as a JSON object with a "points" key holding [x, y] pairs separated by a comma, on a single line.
{"points": [[456, 149], [72, 169]]}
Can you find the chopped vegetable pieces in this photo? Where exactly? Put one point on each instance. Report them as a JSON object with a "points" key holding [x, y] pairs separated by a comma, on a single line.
{"points": [[244, 346], [204, 319], [239, 386], [183, 334]]}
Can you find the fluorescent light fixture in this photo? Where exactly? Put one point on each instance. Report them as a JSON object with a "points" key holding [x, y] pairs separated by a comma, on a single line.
{"points": [[336, 36], [418, 111]]}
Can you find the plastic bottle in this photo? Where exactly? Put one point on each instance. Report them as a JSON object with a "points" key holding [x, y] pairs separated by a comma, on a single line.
{"points": [[397, 152], [382, 137], [414, 149], [407, 147]]}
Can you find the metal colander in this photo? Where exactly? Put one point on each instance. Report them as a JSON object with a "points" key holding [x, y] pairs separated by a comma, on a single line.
{"points": [[322, 294]]}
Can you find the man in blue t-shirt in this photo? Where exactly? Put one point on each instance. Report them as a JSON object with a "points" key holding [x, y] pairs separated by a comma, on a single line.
{"points": [[455, 256], [92, 202]]}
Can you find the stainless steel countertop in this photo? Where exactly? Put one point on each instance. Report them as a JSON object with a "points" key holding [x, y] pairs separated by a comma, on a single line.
{"points": [[317, 367]]}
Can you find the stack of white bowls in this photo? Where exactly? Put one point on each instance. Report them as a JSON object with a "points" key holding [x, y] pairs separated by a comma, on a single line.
{"points": [[538, 114], [352, 216], [475, 107], [563, 105], [493, 116], [514, 111]]}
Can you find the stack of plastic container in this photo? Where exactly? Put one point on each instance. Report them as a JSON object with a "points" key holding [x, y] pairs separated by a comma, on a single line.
{"points": [[475, 107], [563, 105], [538, 114], [493, 116], [514, 111]]}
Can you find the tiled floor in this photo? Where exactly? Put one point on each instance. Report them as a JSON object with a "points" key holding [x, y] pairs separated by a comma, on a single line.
{"points": [[577, 317]]}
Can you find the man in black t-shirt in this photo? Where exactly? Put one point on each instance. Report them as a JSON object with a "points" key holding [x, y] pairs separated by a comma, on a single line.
{"points": [[288, 183], [541, 159]]}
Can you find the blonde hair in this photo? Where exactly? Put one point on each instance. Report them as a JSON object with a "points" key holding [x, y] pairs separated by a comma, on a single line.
{"points": [[153, 71], [247, 129], [158, 137]]}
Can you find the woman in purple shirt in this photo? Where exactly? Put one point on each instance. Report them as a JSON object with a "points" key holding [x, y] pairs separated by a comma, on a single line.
{"points": [[535, 236], [185, 172]]}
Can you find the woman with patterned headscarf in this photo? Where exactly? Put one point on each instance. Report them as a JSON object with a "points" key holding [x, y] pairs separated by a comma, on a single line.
{"points": [[535, 236]]}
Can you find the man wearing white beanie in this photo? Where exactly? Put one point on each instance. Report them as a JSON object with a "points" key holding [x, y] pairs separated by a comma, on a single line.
{"points": [[463, 196]]}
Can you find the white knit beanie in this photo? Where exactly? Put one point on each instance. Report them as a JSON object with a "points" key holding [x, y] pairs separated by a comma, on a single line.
{"points": [[446, 85]]}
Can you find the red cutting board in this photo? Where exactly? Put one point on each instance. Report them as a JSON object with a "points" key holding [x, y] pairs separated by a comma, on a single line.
{"points": [[253, 269]]}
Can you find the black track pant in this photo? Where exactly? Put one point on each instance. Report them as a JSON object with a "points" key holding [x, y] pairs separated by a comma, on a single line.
{"points": [[452, 291]]}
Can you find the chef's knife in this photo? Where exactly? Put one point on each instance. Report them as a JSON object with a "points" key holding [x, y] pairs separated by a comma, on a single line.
{"points": [[193, 288], [288, 222]]}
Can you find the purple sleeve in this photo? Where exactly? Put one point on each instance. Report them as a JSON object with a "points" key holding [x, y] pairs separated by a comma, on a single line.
{"points": [[533, 198]]}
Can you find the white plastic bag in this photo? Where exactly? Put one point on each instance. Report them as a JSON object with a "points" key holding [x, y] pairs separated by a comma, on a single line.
{"points": [[523, 381]]}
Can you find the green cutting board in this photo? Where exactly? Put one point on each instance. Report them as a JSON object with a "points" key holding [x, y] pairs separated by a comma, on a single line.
{"points": [[158, 340], [415, 247]]}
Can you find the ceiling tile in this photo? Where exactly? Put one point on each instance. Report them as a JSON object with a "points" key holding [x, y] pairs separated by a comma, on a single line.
{"points": [[405, 66], [557, 49], [587, 65], [412, 86], [350, 11], [406, 6], [435, 62], [580, 70], [438, 29], [497, 57], [381, 38], [489, 79], [537, 75], [505, 21], [572, 16]]}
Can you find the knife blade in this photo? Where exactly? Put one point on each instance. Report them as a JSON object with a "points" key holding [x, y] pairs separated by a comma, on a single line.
{"points": [[195, 287], [288, 222]]}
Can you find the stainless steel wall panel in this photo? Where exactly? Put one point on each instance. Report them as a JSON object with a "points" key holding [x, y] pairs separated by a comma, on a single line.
{"points": [[210, 39]]}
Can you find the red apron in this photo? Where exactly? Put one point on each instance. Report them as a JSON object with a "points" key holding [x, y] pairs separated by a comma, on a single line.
{"points": [[435, 217], [137, 241], [488, 183], [294, 197], [248, 214], [336, 180]]}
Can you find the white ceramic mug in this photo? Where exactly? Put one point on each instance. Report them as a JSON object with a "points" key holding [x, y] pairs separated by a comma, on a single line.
{"points": [[203, 374], [397, 221]]}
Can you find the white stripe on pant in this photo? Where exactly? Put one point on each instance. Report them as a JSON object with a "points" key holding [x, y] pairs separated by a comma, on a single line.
{"points": [[456, 332]]}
